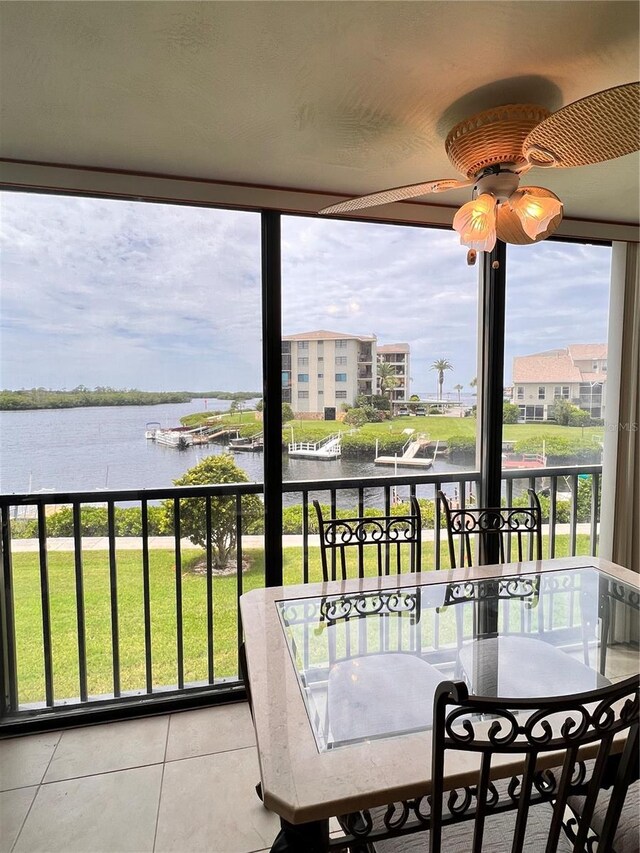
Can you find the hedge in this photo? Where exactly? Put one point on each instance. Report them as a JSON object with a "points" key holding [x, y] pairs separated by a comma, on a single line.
{"points": [[128, 519], [560, 451]]}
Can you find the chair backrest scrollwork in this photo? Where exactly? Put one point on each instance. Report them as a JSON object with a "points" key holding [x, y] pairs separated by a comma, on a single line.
{"points": [[569, 727], [519, 525], [396, 540]]}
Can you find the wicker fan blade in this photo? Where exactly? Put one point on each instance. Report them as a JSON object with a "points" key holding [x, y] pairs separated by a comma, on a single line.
{"points": [[599, 127], [396, 194]]}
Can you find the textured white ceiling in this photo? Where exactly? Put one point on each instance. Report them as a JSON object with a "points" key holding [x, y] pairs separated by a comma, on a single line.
{"points": [[346, 97]]}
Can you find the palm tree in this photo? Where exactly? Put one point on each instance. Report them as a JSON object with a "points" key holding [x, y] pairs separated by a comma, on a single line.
{"points": [[458, 388], [441, 364], [386, 377]]}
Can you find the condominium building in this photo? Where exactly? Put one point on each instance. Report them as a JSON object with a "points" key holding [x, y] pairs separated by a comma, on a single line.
{"points": [[398, 356], [577, 373], [323, 370]]}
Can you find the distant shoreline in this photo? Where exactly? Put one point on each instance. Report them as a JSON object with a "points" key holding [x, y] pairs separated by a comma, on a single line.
{"points": [[41, 398]]}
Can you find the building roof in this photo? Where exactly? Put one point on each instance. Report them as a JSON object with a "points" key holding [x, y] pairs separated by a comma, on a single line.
{"points": [[559, 365], [545, 368], [324, 335], [579, 352], [393, 348]]}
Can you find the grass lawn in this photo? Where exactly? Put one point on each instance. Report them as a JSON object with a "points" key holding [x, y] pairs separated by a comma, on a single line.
{"points": [[131, 618], [442, 427], [435, 426]]}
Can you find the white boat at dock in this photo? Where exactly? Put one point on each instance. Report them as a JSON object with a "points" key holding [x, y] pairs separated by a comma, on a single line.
{"points": [[248, 444], [151, 429], [180, 436], [177, 437]]}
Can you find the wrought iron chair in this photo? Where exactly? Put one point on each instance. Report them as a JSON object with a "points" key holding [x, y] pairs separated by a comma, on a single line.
{"points": [[519, 533], [627, 835], [387, 534], [564, 746], [535, 728], [396, 543], [522, 524]]}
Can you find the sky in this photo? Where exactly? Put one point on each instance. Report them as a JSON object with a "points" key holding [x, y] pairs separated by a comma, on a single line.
{"points": [[167, 297]]}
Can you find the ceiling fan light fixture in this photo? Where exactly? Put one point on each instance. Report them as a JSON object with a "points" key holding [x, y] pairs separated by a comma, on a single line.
{"points": [[494, 148], [535, 212], [475, 222]]}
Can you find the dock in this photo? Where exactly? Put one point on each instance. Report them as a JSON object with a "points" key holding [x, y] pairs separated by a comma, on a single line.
{"points": [[183, 437], [523, 460], [422, 463], [408, 457], [327, 448]]}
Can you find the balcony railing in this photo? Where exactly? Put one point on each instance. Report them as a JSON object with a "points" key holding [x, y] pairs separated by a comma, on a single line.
{"points": [[101, 607]]}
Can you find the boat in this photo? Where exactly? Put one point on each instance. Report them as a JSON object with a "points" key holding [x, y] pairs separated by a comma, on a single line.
{"points": [[250, 444], [523, 460], [151, 429], [177, 437]]}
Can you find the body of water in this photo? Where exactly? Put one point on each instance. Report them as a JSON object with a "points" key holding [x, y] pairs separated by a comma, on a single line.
{"points": [[85, 449]]}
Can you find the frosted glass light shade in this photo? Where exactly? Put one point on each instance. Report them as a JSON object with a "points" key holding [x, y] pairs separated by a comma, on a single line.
{"points": [[475, 222], [535, 212]]}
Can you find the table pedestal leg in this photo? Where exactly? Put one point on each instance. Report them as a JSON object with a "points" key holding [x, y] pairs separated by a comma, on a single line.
{"points": [[310, 837]]}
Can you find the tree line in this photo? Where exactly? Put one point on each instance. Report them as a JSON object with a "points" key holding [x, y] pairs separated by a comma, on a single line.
{"points": [[46, 398]]}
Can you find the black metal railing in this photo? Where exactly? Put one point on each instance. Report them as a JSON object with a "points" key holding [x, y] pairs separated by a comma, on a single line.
{"points": [[184, 614]]}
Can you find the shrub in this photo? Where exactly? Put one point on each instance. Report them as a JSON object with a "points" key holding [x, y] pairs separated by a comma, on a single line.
{"points": [[94, 521], [579, 418], [361, 445], [563, 508], [24, 528], [287, 413], [159, 523], [380, 402], [559, 411], [356, 417], [561, 451], [292, 515], [510, 413], [462, 448], [222, 534]]}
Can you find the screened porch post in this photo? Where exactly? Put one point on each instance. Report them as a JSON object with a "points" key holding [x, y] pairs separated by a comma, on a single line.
{"points": [[491, 388], [272, 396]]}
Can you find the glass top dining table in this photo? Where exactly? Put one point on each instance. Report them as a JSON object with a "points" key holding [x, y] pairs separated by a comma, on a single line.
{"points": [[343, 674]]}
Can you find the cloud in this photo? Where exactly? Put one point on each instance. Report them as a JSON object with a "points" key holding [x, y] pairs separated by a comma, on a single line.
{"points": [[106, 292], [129, 294]]}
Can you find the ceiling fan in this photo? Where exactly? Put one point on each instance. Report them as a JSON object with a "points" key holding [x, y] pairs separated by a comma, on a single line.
{"points": [[494, 148]]}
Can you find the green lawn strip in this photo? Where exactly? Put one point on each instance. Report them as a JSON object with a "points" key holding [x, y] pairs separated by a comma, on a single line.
{"points": [[436, 427], [98, 628], [439, 427]]}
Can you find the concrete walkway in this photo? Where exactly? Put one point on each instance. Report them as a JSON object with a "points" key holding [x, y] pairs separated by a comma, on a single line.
{"points": [[134, 543]]}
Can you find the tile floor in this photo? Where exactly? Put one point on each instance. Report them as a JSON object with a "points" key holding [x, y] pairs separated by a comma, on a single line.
{"points": [[178, 783], [183, 782]]}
